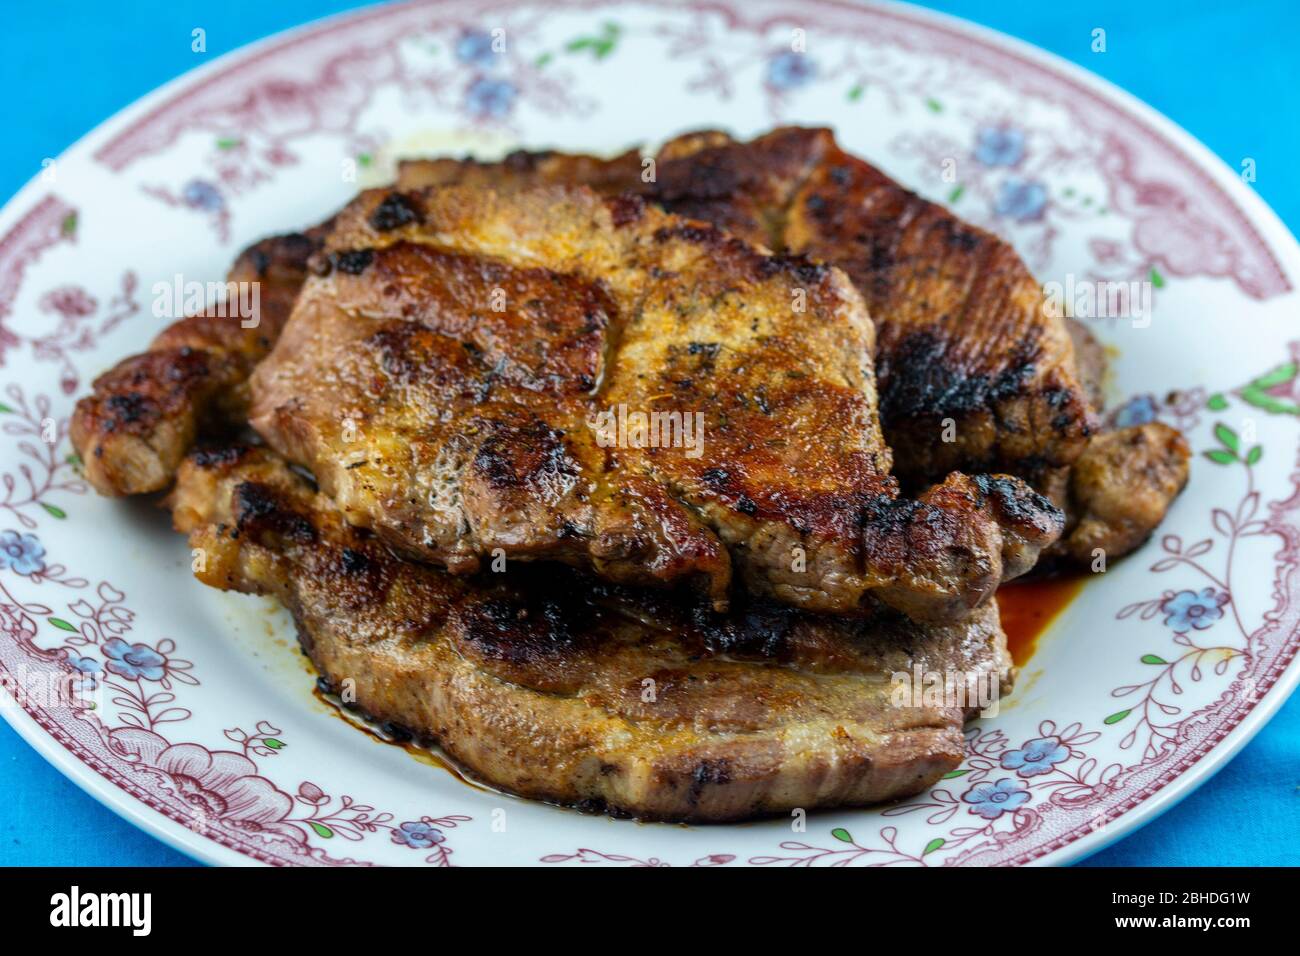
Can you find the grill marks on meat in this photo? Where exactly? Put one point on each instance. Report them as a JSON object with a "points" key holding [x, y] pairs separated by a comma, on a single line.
{"points": [[445, 395], [962, 329], [458, 429], [146, 413], [536, 681], [962, 332]]}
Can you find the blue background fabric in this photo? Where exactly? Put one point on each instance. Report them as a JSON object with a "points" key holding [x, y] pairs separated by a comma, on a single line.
{"points": [[1227, 72]]}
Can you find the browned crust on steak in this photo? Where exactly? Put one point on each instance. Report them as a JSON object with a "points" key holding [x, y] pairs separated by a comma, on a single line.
{"points": [[526, 168], [963, 333], [459, 426], [146, 413], [536, 682], [1090, 358], [1126, 480], [1122, 487]]}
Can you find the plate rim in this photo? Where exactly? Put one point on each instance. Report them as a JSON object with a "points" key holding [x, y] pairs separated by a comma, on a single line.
{"points": [[1253, 207]]}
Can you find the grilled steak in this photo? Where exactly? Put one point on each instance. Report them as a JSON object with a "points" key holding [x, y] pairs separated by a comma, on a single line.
{"points": [[457, 381], [144, 414], [962, 332], [565, 689]]}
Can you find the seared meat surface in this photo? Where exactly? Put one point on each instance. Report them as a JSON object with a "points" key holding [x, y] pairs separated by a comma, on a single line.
{"points": [[1122, 487], [581, 693], [457, 379], [962, 332], [524, 169], [1125, 481], [1090, 358], [471, 365], [145, 414], [148, 411]]}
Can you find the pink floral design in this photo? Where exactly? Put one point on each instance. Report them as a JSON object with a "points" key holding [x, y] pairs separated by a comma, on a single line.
{"points": [[1178, 224], [221, 786], [595, 856], [48, 225], [69, 301], [215, 790], [41, 470]]}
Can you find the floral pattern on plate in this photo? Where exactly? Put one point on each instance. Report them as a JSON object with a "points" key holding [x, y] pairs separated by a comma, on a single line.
{"points": [[188, 711]]}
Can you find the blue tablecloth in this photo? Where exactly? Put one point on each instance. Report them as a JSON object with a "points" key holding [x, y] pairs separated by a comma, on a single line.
{"points": [[1226, 72]]}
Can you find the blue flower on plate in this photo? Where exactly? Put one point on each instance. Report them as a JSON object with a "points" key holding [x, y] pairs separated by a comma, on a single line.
{"points": [[999, 145], [1037, 756], [418, 835], [201, 194], [1138, 410], [24, 553], [1021, 199], [991, 800], [134, 661], [486, 98], [474, 48], [87, 667], [1194, 609], [790, 70]]}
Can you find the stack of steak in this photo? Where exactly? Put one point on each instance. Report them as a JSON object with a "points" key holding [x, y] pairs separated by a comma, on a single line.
{"points": [[891, 425]]}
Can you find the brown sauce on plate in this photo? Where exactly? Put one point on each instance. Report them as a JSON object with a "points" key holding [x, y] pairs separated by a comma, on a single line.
{"points": [[1029, 607], [424, 754]]}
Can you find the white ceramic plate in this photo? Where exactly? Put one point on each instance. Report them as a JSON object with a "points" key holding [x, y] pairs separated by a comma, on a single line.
{"points": [[206, 732]]}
